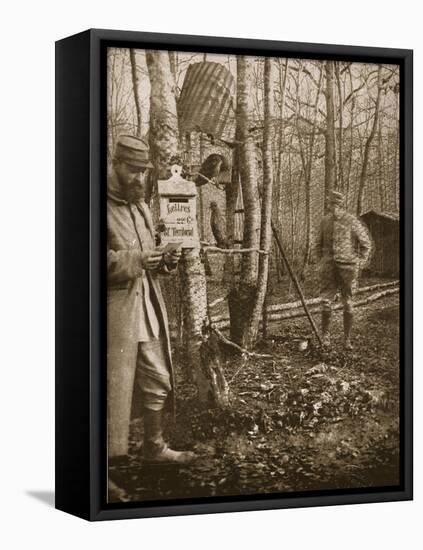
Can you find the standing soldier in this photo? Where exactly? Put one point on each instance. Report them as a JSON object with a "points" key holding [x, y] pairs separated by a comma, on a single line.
{"points": [[343, 248], [138, 346]]}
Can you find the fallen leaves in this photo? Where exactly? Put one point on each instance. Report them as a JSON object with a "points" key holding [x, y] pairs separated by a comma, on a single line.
{"points": [[307, 420]]}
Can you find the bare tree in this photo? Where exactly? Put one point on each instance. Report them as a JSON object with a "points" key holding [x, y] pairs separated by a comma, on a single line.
{"points": [[231, 196], [278, 191], [307, 156], [330, 158], [347, 179], [136, 88], [240, 301], [248, 171], [163, 134], [266, 207], [118, 97], [164, 139], [341, 126], [368, 143]]}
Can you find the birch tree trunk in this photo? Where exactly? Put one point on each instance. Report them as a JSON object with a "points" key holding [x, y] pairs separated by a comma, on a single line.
{"points": [[330, 159], [136, 88], [366, 155], [163, 134], [381, 178], [252, 328], [277, 189], [241, 297], [231, 195], [164, 141], [351, 138], [307, 167], [172, 61], [396, 163], [341, 185], [248, 171]]}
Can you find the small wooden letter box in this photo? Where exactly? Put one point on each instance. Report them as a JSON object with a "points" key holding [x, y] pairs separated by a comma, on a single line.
{"points": [[178, 210]]}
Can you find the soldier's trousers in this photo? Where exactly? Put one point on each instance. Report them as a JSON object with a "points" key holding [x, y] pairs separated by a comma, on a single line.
{"points": [[152, 374], [336, 278]]}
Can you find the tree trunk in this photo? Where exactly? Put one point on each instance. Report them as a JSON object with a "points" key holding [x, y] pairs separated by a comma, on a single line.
{"points": [[172, 61], [305, 161], [330, 159], [200, 195], [397, 166], [252, 328], [307, 164], [241, 297], [136, 88], [164, 141], [248, 170], [351, 147], [366, 155], [163, 134], [277, 189], [231, 195], [341, 129], [291, 198], [380, 170]]}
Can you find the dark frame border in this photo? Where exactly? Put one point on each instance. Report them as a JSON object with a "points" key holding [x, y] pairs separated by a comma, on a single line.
{"points": [[80, 459]]}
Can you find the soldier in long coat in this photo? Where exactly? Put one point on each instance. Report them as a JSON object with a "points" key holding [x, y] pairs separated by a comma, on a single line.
{"points": [[138, 346]]}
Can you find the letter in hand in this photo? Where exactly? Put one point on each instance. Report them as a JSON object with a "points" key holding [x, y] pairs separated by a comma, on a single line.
{"points": [[152, 258], [172, 254]]}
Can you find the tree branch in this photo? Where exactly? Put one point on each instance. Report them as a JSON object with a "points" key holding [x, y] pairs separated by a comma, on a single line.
{"points": [[243, 351]]}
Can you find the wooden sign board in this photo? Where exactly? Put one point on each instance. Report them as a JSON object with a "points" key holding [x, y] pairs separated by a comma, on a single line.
{"points": [[178, 210]]}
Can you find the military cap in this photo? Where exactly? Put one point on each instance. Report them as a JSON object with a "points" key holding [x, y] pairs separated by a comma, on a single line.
{"points": [[132, 150], [337, 198]]}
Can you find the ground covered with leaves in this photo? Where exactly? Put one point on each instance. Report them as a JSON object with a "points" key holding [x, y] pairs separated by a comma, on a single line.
{"points": [[303, 420]]}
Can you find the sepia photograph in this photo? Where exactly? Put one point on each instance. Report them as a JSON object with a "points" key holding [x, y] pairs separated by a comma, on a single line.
{"points": [[253, 275]]}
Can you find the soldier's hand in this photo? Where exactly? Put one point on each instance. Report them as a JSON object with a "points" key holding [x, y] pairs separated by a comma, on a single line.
{"points": [[172, 258], [152, 259]]}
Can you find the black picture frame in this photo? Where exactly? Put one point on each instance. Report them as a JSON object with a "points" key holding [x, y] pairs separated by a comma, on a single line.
{"points": [[80, 263]]}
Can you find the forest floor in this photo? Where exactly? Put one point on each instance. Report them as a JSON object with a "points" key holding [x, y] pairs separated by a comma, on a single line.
{"points": [[304, 420]]}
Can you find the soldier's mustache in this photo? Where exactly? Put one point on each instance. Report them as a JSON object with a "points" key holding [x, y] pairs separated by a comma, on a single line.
{"points": [[136, 187]]}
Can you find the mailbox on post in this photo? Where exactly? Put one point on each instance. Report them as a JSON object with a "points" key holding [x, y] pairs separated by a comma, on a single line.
{"points": [[178, 210]]}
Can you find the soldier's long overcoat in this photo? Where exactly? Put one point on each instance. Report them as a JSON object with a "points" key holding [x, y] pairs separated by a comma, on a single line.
{"points": [[125, 303]]}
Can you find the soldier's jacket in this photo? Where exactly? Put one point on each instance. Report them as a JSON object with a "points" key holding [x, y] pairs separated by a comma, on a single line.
{"points": [[131, 314], [345, 241]]}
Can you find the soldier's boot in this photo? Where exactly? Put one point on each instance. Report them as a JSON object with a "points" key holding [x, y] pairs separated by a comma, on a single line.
{"points": [[348, 324], [326, 321], [115, 492], [155, 449]]}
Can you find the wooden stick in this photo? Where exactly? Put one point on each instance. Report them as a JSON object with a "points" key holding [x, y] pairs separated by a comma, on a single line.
{"points": [[359, 303], [296, 284], [377, 286], [276, 308], [223, 322], [208, 247], [217, 301], [243, 351], [316, 301], [215, 183], [217, 250]]}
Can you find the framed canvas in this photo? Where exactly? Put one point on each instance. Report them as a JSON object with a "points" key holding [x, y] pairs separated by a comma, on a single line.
{"points": [[233, 274]]}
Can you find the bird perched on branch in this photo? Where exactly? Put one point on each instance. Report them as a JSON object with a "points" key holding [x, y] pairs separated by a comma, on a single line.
{"points": [[211, 168], [217, 224]]}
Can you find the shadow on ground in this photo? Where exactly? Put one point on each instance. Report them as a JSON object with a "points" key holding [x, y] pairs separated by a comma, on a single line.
{"points": [[46, 497]]}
